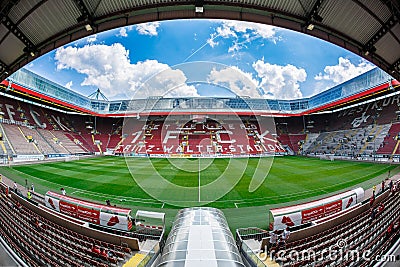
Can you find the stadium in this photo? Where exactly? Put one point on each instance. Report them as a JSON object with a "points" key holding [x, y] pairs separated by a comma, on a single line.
{"points": [[197, 181]]}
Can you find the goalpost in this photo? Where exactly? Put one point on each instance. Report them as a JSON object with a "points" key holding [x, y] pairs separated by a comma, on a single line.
{"points": [[327, 157]]}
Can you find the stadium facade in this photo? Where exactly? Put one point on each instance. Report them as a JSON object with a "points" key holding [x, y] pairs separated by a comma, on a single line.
{"points": [[372, 82]]}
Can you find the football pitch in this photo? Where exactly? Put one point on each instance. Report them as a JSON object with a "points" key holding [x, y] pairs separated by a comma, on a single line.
{"points": [[169, 184]]}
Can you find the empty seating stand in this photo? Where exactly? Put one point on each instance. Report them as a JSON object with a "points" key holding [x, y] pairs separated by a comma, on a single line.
{"points": [[359, 234], [50, 244], [390, 140], [229, 138]]}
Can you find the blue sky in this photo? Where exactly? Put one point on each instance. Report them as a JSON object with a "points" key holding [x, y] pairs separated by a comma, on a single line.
{"points": [[161, 58]]}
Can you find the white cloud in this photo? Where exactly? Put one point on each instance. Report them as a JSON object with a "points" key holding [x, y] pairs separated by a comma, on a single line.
{"points": [[92, 38], [256, 29], [108, 67], [149, 28], [271, 81], [69, 84], [167, 82], [211, 42], [123, 31], [281, 82], [238, 81], [242, 33], [343, 71], [226, 30]]}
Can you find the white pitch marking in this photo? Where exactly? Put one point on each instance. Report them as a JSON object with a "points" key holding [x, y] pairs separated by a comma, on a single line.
{"points": [[199, 182]]}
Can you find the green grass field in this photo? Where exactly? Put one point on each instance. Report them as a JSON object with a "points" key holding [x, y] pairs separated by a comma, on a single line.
{"points": [[170, 185]]}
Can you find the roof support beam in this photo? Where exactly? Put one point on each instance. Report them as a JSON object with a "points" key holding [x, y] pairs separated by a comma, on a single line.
{"points": [[393, 6], [86, 15], [7, 7], [3, 66], [386, 26], [33, 9], [381, 32], [6, 21], [22, 19], [3, 70], [366, 9], [313, 14], [396, 65]]}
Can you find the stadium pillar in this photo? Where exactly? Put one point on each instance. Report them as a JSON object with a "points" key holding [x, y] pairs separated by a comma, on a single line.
{"points": [[374, 152], [95, 124]]}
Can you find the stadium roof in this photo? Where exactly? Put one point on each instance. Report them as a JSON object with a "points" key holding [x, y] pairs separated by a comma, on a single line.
{"points": [[28, 85], [30, 28]]}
